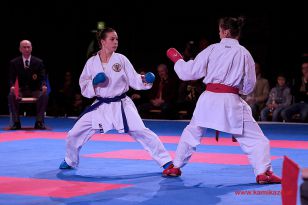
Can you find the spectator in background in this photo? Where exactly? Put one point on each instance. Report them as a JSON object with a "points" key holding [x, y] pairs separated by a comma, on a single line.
{"points": [[256, 100], [190, 51], [77, 105], [31, 74], [301, 98], [279, 98], [203, 44], [189, 91], [61, 99], [188, 94], [66, 94], [163, 95]]}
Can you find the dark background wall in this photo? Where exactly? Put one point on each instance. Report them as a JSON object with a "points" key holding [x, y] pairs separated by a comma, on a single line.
{"points": [[61, 32]]}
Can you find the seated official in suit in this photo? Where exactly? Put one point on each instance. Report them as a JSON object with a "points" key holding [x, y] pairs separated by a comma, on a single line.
{"points": [[30, 73]]}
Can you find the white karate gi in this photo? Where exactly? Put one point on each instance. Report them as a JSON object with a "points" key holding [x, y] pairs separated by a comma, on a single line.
{"points": [[120, 75], [230, 64]]}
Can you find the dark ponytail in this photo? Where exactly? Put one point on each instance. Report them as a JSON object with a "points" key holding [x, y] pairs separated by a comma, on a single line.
{"points": [[233, 24]]}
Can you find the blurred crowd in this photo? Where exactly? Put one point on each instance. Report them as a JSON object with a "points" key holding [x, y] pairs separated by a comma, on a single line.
{"points": [[172, 98]]}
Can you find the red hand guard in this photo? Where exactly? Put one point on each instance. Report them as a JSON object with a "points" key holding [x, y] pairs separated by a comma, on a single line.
{"points": [[174, 55]]}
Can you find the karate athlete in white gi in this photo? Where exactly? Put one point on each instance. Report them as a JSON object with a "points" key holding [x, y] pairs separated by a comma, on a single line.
{"points": [[227, 68], [107, 76]]}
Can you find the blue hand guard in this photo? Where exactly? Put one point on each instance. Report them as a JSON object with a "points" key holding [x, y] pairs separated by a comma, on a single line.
{"points": [[99, 78], [149, 77]]}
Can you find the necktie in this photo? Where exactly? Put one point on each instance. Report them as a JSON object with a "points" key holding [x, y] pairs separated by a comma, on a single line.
{"points": [[27, 63]]}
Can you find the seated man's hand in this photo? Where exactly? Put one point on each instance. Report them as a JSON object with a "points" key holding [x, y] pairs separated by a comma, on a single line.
{"points": [[44, 89], [250, 100], [135, 96], [275, 105], [305, 173], [12, 89], [157, 102], [160, 101], [154, 102]]}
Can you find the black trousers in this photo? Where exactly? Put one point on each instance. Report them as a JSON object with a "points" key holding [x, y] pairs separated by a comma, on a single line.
{"points": [[41, 104], [304, 192]]}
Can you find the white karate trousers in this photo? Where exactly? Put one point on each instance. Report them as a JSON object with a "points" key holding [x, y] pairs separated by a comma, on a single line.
{"points": [[83, 131]]}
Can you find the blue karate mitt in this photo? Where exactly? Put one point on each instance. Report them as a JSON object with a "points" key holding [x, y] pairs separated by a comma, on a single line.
{"points": [[99, 78], [149, 77]]}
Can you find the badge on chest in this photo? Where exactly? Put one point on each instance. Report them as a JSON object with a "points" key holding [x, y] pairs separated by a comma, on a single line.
{"points": [[116, 67]]}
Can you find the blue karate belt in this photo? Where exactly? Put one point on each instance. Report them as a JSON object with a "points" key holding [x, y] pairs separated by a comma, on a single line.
{"points": [[108, 100]]}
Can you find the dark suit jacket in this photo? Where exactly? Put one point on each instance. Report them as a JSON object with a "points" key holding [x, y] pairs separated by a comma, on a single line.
{"points": [[31, 78], [169, 92]]}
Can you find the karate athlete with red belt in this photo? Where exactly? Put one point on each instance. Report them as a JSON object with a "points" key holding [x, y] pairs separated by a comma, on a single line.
{"points": [[228, 69]]}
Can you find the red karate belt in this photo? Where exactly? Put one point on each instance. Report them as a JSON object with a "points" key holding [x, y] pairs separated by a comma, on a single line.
{"points": [[221, 88]]}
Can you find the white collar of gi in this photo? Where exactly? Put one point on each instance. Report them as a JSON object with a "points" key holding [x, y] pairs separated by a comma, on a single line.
{"points": [[229, 41]]}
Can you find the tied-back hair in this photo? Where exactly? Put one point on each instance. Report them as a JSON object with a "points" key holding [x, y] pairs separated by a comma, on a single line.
{"points": [[233, 24], [102, 34]]}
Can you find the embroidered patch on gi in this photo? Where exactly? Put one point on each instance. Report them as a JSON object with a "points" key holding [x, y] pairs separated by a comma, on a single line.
{"points": [[116, 67], [34, 76]]}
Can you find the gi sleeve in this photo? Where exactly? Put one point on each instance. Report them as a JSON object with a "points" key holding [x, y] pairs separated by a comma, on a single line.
{"points": [[85, 81], [193, 69], [134, 79], [249, 78]]}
